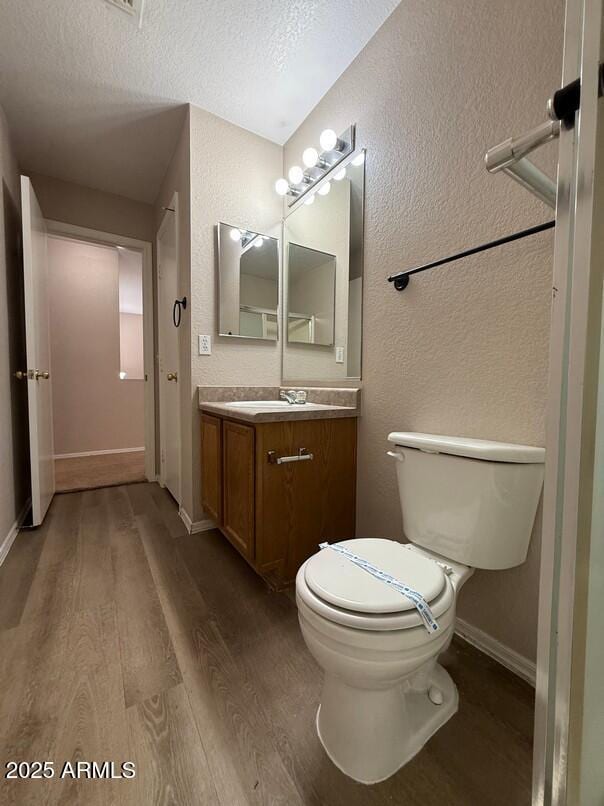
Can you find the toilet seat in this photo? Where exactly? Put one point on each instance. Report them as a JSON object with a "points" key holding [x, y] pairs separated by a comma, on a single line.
{"points": [[340, 592]]}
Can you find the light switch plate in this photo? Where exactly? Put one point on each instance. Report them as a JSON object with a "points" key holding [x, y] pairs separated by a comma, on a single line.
{"points": [[339, 355], [205, 345]]}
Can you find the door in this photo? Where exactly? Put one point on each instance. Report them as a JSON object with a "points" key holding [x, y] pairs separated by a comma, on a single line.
{"points": [[211, 466], [569, 724], [169, 401], [37, 339], [238, 486]]}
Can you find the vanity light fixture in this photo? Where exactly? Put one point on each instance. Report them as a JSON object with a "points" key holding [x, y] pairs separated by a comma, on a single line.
{"points": [[317, 166], [258, 242], [359, 159], [324, 189], [235, 234], [310, 157], [328, 140], [310, 199], [341, 174], [296, 174], [282, 187]]}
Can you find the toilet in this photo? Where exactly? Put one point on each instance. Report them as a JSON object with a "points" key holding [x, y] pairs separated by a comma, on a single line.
{"points": [[466, 504]]}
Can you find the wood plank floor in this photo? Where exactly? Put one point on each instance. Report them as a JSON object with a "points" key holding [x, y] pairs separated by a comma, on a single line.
{"points": [[106, 470], [122, 638]]}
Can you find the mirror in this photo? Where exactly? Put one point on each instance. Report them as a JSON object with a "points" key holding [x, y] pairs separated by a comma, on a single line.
{"points": [[248, 278], [323, 279], [311, 298]]}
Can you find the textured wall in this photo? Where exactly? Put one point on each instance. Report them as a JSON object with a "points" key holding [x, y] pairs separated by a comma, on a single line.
{"points": [[85, 207], [14, 481], [464, 350], [93, 410], [232, 176]]}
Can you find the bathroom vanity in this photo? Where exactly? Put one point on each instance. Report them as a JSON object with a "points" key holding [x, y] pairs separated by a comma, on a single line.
{"points": [[278, 480]]}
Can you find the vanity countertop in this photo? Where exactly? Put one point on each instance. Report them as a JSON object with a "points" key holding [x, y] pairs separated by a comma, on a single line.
{"points": [[263, 414], [238, 403]]}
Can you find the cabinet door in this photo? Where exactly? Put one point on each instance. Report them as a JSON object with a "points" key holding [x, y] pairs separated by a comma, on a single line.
{"points": [[238, 486], [211, 466], [300, 504]]}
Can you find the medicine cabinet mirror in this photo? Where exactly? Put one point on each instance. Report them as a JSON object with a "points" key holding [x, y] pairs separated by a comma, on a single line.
{"points": [[323, 278], [248, 279]]}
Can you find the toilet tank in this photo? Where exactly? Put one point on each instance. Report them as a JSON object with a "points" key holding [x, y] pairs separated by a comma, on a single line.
{"points": [[469, 500]]}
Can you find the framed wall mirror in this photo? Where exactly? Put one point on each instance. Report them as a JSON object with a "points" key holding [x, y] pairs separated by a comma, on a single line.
{"points": [[323, 278], [248, 281]]}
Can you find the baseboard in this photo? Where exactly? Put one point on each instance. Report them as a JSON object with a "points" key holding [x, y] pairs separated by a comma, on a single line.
{"points": [[195, 527], [8, 541], [98, 453], [513, 661]]}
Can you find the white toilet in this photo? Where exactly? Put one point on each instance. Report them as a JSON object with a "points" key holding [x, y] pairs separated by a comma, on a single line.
{"points": [[467, 503]]}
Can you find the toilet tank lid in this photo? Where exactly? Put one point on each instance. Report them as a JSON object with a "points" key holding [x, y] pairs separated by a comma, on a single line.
{"points": [[472, 448]]}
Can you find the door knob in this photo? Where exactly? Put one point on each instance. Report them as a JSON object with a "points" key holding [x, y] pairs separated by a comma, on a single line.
{"points": [[44, 375], [20, 375], [172, 376]]}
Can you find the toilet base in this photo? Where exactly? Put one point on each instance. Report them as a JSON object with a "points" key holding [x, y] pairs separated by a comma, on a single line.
{"points": [[369, 735]]}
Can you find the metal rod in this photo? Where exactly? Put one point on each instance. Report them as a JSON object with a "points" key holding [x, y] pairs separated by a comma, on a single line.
{"points": [[510, 157], [534, 180], [514, 148], [401, 280]]}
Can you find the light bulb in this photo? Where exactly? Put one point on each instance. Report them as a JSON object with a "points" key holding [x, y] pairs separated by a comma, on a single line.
{"points": [[328, 140], [296, 174], [310, 200], [258, 242], [281, 186], [324, 189], [340, 175], [310, 157], [235, 234], [359, 159]]}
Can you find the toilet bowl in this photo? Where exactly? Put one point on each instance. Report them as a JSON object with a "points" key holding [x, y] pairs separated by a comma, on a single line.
{"points": [[467, 503], [384, 694]]}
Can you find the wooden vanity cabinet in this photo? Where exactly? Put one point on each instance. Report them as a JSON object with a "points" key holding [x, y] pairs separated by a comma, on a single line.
{"points": [[276, 514]]}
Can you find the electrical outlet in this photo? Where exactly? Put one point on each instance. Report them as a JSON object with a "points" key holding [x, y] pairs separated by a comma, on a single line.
{"points": [[205, 345], [339, 355]]}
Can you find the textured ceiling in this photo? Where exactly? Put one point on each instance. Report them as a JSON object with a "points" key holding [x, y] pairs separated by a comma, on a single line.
{"points": [[93, 99]]}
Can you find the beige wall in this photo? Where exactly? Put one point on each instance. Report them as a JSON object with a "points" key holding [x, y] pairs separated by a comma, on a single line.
{"points": [[178, 180], [93, 410], [464, 349], [232, 176], [14, 466], [132, 359], [95, 209]]}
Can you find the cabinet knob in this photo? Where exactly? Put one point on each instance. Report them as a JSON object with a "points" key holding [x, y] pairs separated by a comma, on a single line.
{"points": [[172, 376]]}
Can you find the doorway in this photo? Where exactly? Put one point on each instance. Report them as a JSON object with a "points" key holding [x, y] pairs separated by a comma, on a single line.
{"points": [[101, 340]]}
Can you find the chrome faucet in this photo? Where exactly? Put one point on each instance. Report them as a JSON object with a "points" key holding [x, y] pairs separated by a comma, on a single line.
{"points": [[289, 396]]}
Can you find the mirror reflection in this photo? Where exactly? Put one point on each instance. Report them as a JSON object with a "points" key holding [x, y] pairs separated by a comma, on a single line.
{"points": [[311, 297], [323, 280], [248, 276]]}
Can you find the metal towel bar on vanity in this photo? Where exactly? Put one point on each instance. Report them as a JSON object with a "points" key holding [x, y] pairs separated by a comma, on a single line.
{"points": [[301, 456]]}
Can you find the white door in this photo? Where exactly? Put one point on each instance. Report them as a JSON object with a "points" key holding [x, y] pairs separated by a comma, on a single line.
{"points": [[39, 380], [167, 257], [569, 725]]}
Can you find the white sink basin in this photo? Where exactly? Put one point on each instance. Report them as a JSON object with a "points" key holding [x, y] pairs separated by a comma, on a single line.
{"points": [[271, 405]]}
